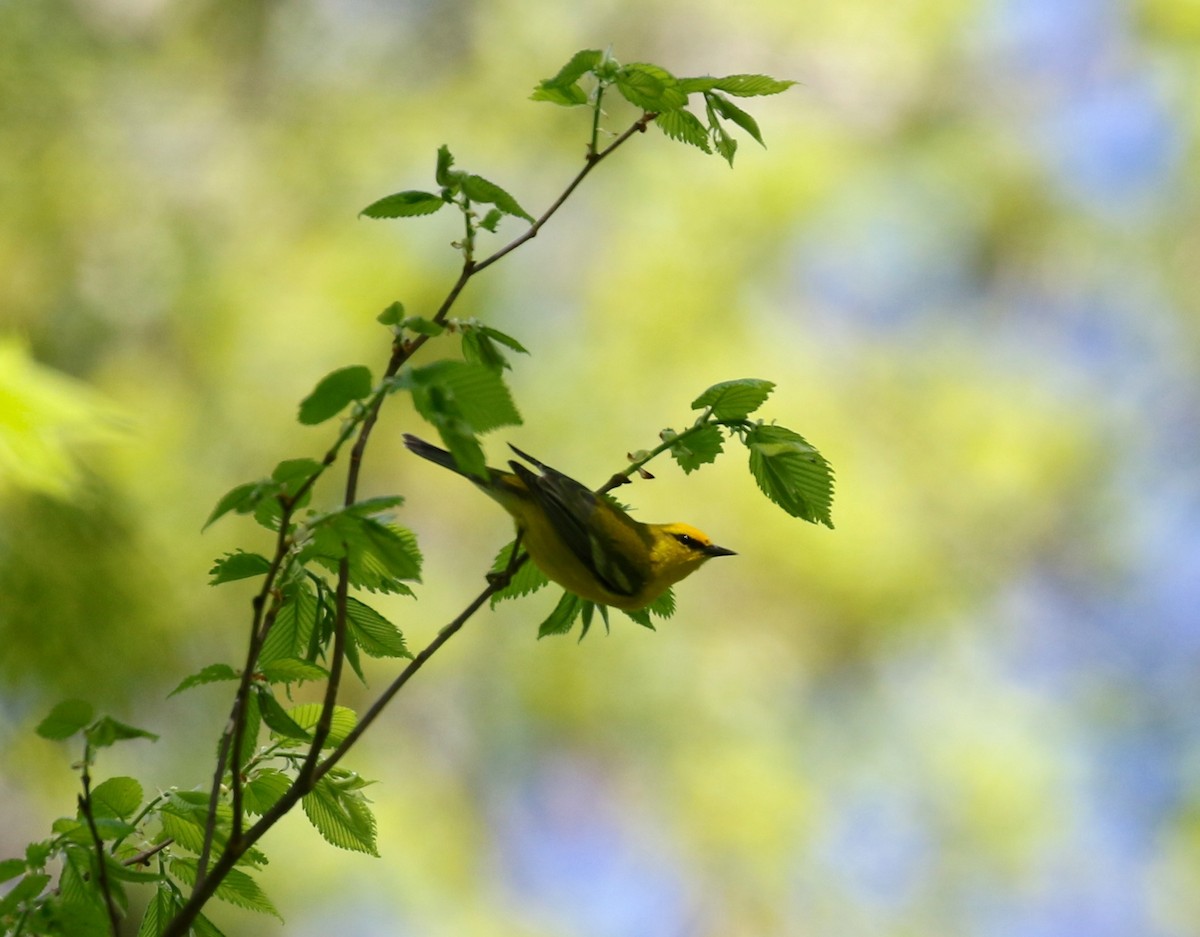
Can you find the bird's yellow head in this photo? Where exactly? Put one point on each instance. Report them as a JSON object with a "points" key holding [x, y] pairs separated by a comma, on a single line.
{"points": [[679, 550]]}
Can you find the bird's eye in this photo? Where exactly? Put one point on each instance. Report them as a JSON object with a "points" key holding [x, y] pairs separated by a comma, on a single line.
{"points": [[688, 541]]}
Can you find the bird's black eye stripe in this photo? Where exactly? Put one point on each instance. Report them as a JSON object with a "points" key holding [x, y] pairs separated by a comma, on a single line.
{"points": [[689, 541]]}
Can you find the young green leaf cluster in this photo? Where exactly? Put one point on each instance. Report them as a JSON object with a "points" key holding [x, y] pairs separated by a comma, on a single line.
{"points": [[663, 96], [306, 625]]}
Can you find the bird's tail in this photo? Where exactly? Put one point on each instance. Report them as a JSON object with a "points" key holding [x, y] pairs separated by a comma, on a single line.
{"points": [[431, 452]]}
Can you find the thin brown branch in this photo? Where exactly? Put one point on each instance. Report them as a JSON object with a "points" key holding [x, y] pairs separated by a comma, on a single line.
{"points": [[85, 807], [593, 160]]}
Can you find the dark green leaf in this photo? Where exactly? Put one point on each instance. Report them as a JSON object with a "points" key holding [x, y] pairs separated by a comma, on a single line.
{"points": [[275, 717], [408, 204], [734, 400], [380, 555], [684, 126], [65, 719], [239, 565], [237, 887], [650, 87], [264, 789], [291, 670], [117, 797], [422, 326], [791, 473], [479, 349], [25, 890], [479, 189], [210, 674], [697, 448], [291, 474], [333, 392], [726, 145], [241, 499], [36, 854], [491, 221], [377, 636], [731, 111], [251, 723], [341, 816], [106, 730], [443, 173], [563, 616], [11, 868], [203, 927], [527, 579], [392, 315]]}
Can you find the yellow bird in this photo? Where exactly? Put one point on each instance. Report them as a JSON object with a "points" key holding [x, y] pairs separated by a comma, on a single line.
{"points": [[583, 541]]}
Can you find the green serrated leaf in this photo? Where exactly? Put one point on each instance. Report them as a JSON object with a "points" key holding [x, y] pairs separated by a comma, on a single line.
{"points": [[563, 88], [684, 126], [292, 630], [464, 391], [277, 720], [407, 204], [240, 565], [242, 499], [11, 868], [528, 578], [479, 189], [479, 349], [237, 888], [734, 400], [380, 554], [725, 144], [563, 616], [210, 674], [577, 66], [334, 392], [731, 111], [291, 670], [263, 790], [159, 911], [650, 87], [341, 816], [251, 723], [749, 86], [373, 633], [27, 889], [116, 797], [343, 721], [791, 473], [65, 719], [698, 448], [290, 474], [568, 96], [107, 730]]}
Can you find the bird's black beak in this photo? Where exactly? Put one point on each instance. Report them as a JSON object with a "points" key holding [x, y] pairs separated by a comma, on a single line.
{"points": [[714, 550]]}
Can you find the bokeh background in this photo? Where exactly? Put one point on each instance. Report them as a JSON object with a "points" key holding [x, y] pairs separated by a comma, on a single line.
{"points": [[968, 259]]}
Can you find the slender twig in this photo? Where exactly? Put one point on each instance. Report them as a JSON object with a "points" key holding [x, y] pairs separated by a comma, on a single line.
{"points": [[85, 807], [144, 857], [593, 160]]}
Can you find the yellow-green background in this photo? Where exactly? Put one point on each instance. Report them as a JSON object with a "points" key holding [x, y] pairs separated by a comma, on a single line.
{"points": [[968, 261]]}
